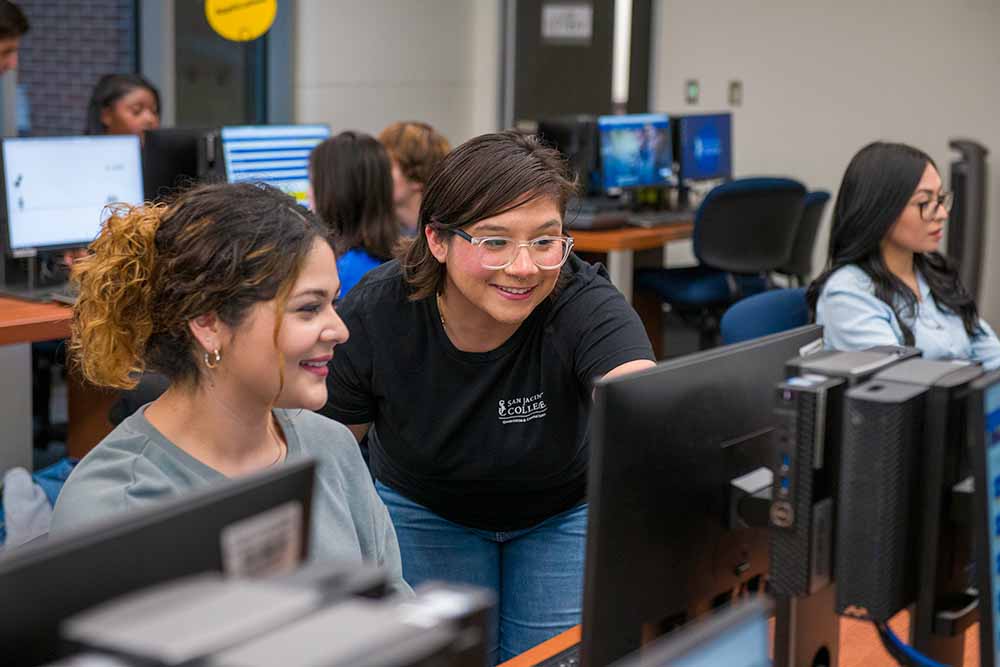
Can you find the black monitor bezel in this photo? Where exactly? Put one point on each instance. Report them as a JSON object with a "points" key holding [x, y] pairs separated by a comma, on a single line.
{"points": [[94, 568], [983, 533], [689, 638], [161, 143], [5, 218], [608, 641]]}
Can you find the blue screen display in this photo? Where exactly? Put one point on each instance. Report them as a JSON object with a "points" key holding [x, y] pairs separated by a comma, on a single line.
{"points": [[745, 645], [275, 154], [635, 150], [705, 151], [991, 401]]}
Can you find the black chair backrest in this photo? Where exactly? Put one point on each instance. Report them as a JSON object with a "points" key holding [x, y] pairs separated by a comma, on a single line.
{"points": [[800, 263], [748, 225]]}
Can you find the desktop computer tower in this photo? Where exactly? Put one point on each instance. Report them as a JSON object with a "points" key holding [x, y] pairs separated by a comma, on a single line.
{"points": [[801, 536], [809, 411], [876, 527], [943, 562]]}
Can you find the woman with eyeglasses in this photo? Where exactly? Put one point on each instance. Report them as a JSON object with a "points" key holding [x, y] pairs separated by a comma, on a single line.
{"points": [[470, 367], [886, 283]]}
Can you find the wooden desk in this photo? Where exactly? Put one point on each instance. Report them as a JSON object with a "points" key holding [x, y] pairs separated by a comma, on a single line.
{"points": [[32, 322], [23, 323], [859, 645], [620, 244]]}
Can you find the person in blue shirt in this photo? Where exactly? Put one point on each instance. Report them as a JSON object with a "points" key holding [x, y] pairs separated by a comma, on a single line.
{"points": [[886, 282], [351, 190]]}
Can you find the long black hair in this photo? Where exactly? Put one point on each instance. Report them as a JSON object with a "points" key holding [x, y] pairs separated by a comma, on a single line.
{"points": [[877, 187], [352, 190], [109, 89]]}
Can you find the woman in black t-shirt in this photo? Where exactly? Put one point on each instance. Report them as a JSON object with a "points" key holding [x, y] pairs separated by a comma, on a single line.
{"points": [[470, 367]]}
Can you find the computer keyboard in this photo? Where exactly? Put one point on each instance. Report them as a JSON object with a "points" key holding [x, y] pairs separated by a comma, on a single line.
{"points": [[65, 295], [659, 218], [568, 657]]}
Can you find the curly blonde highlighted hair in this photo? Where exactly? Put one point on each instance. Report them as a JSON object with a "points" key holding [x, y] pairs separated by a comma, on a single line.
{"points": [[215, 249]]}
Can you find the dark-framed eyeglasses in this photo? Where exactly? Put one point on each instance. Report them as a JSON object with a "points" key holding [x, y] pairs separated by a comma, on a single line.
{"points": [[499, 252], [929, 208]]}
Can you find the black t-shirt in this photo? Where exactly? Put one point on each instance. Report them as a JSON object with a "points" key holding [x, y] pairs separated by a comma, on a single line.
{"points": [[493, 440]]}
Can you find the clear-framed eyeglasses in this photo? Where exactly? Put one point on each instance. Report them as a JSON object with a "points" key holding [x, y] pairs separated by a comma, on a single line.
{"points": [[499, 252], [929, 208]]}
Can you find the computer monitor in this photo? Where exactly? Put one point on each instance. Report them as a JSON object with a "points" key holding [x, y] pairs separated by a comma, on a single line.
{"points": [[201, 532], [662, 543], [170, 160], [984, 449], [635, 151], [274, 154], [576, 138], [56, 188], [733, 637], [704, 147]]}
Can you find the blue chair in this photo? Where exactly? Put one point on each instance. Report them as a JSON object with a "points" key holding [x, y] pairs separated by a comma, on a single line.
{"points": [[799, 266], [764, 314], [743, 231]]}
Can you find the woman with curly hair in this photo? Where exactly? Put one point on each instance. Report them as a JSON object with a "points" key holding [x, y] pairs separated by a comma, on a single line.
{"points": [[228, 292]]}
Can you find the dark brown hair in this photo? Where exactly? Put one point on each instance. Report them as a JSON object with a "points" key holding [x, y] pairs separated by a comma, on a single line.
{"points": [[484, 177], [13, 22], [352, 191], [217, 248], [109, 89], [416, 147], [876, 189]]}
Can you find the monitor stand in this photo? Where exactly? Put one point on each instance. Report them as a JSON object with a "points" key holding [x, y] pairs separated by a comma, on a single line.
{"points": [[807, 630], [683, 197], [21, 277]]}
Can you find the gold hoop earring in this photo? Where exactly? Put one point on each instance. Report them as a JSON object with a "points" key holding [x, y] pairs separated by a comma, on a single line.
{"points": [[213, 363]]}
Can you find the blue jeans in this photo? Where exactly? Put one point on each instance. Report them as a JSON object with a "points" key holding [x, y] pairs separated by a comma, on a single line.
{"points": [[536, 573]]}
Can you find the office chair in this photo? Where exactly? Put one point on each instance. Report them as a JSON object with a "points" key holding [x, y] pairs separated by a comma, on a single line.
{"points": [[764, 314], [799, 266], [743, 231]]}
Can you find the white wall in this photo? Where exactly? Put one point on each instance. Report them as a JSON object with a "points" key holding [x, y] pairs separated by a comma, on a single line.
{"points": [[363, 65], [822, 78]]}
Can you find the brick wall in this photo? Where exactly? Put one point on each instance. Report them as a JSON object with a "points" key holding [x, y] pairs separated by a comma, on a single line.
{"points": [[71, 44]]}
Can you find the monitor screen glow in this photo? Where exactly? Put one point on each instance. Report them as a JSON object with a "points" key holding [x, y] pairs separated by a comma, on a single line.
{"points": [[635, 150], [705, 150], [743, 645], [57, 188], [275, 154], [991, 414]]}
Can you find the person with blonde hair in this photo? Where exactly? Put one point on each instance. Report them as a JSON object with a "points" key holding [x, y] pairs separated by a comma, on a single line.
{"points": [[415, 149], [229, 292]]}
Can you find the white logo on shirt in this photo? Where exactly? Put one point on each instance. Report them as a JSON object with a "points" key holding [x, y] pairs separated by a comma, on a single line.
{"points": [[522, 409]]}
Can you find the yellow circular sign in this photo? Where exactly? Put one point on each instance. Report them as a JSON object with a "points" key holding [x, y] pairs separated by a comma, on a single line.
{"points": [[241, 20]]}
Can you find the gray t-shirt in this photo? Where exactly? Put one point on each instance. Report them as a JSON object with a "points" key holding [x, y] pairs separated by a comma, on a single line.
{"points": [[136, 466]]}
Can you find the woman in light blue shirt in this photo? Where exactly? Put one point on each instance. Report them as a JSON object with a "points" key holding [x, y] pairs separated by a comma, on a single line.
{"points": [[886, 283]]}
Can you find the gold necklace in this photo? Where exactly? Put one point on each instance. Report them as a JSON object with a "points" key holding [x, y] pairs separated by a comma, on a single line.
{"points": [[441, 312]]}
